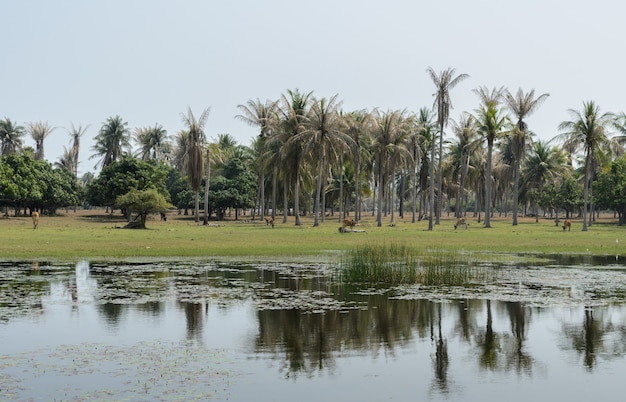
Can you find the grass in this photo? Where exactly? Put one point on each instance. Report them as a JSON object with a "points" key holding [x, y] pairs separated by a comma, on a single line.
{"points": [[94, 234]]}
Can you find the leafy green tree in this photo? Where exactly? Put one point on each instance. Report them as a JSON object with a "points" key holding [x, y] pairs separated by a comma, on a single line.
{"points": [[611, 189], [570, 195], [181, 194], [112, 142], [142, 203], [10, 137], [122, 176], [234, 188], [195, 162]]}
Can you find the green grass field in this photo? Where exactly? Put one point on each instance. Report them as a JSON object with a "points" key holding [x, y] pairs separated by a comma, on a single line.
{"points": [[94, 234]]}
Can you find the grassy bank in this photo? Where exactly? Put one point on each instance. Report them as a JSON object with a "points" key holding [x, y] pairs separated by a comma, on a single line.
{"points": [[94, 234]]}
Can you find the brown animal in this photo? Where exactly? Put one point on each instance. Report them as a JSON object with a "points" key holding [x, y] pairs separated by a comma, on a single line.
{"points": [[269, 222], [461, 222], [351, 223], [567, 224], [35, 216]]}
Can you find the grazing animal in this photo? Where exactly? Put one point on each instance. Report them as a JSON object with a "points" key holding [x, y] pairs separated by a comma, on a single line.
{"points": [[567, 224], [351, 223], [269, 222], [461, 222], [35, 216], [163, 216]]}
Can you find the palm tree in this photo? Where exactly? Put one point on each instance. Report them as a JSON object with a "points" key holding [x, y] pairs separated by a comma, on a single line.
{"points": [[195, 165], [292, 113], [10, 137], [490, 124], [444, 82], [587, 129], [75, 134], [521, 105], [390, 131], [323, 134], [465, 132], [544, 165], [111, 141], [262, 115], [358, 125], [153, 143], [38, 132]]}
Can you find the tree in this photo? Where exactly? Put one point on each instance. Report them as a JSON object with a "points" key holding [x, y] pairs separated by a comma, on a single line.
{"points": [[586, 130], [10, 137], [234, 188], [75, 133], [142, 203], [195, 166], [611, 189], [444, 82], [490, 124], [465, 133], [38, 132], [324, 136], [264, 116], [112, 142], [521, 105], [120, 177], [153, 143]]}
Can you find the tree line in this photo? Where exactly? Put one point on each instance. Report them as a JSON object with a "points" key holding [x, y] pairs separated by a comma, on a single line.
{"points": [[311, 156]]}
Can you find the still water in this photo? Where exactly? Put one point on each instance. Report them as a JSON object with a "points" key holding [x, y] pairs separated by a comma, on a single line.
{"points": [[208, 330]]}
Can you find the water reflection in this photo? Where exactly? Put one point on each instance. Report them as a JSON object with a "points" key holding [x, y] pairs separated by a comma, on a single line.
{"points": [[311, 327]]}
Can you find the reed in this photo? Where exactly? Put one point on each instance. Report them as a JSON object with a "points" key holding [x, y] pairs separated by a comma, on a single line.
{"points": [[396, 264]]}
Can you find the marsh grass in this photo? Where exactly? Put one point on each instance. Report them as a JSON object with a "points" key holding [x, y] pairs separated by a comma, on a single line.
{"points": [[396, 264]]}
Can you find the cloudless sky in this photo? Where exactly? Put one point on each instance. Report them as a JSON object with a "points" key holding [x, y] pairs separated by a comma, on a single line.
{"points": [[79, 62]]}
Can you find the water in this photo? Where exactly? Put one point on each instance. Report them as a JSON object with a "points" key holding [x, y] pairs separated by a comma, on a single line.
{"points": [[207, 330]]}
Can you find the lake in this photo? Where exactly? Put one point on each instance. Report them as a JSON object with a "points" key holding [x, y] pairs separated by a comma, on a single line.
{"points": [[540, 329]]}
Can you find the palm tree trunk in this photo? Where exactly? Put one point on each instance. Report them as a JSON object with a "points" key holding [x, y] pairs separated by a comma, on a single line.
{"points": [[379, 218], [488, 184], [318, 191], [285, 200], [432, 184], [341, 214], [206, 189], [439, 178], [274, 189], [515, 191], [585, 193], [296, 196]]}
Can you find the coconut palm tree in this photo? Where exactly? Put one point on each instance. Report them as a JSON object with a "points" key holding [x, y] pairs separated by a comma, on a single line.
{"points": [[544, 164], [195, 165], [521, 105], [75, 134], [390, 131], [465, 133], [588, 130], [112, 142], [491, 124], [357, 127], [324, 136], [38, 132], [153, 143], [264, 116], [292, 114], [10, 137], [444, 82]]}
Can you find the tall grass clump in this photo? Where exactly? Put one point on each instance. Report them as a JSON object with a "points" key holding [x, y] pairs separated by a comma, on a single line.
{"points": [[394, 264], [391, 264]]}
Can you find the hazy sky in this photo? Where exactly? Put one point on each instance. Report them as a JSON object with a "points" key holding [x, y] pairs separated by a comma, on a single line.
{"points": [[80, 62]]}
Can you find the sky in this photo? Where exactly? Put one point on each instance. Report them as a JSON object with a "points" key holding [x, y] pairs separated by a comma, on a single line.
{"points": [[79, 62]]}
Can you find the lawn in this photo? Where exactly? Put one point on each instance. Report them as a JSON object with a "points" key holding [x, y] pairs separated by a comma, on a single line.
{"points": [[94, 234]]}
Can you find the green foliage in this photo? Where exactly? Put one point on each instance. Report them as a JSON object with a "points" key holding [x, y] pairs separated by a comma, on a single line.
{"points": [[235, 188], [25, 182], [181, 194], [142, 203], [610, 189], [120, 177]]}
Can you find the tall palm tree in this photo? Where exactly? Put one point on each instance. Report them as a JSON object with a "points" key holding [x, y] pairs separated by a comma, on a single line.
{"points": [[180, 156], [491, 123], [545, 163], [153, 143], [112, 141], [389, 134], [444, 82], [38, 132], [10, 137], [587, 130], [521, 105], [292, 113], [195, 165], [324, 136], [465, 132], [358, 128], [75, 134]]}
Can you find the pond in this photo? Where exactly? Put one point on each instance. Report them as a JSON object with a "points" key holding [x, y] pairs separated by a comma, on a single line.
{"points": [[541, 329]]}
